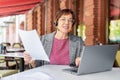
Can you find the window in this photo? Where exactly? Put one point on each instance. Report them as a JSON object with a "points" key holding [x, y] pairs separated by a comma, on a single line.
{"points": [[81, 31], [114, 35]]}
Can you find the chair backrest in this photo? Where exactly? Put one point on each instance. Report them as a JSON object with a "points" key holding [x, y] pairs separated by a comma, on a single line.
{"points": [[16, 45], [6, 44], [3, 46], [117, 60]]}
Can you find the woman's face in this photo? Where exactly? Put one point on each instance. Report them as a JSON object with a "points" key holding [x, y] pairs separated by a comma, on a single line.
{"points": [[65, 23]]}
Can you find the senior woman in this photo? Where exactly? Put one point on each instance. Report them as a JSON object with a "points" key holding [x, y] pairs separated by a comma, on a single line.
{"points": [[61, 46]]}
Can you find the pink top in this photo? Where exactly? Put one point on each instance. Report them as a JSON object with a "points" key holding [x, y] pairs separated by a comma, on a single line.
{"points": [[60, 52]]}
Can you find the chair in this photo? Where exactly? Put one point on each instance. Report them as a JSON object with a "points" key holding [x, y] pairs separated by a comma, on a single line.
{"points": [[4, 73], [16, 45], [117, 60], [4, 68], [6, 44], [7, 62]]}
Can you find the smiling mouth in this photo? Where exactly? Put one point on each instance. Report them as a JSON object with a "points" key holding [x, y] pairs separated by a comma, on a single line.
{"points": [[65, 27]]}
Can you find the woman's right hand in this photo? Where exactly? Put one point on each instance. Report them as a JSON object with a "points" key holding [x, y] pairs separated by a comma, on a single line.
{"points": [[27, 57], [77, 61]]}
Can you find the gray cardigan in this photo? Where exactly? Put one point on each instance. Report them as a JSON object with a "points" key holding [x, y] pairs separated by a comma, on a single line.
{"points": [[75, 46]]}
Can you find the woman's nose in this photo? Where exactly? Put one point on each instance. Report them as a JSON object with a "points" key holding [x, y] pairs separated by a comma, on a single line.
{"points": [[66, 21]]}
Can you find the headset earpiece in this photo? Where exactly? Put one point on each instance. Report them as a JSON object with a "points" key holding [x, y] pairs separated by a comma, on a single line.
{"points": [[55, 23]]}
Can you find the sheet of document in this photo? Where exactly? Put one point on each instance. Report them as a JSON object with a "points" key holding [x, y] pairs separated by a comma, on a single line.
{"points": [[33, 45]]}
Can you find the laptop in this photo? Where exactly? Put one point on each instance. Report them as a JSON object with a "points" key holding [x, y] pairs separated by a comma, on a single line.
{"points": [[95, 59]]}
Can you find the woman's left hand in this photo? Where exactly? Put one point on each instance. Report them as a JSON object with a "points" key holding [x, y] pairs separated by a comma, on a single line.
{"points": [[77, 61]]}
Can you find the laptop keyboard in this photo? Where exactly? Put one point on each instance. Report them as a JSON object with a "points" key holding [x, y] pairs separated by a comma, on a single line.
{"points": [[73, 69]]}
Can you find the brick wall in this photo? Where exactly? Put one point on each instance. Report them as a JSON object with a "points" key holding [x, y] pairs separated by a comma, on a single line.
{"points": [[29, 20], [95, 21], [92, 13]]}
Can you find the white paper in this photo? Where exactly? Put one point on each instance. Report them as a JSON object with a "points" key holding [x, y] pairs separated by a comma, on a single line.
{"points": [[33, 45]]}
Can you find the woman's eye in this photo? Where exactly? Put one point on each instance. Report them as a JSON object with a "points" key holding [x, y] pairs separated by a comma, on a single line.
{"points": [[70, 20], [63, 19]]}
